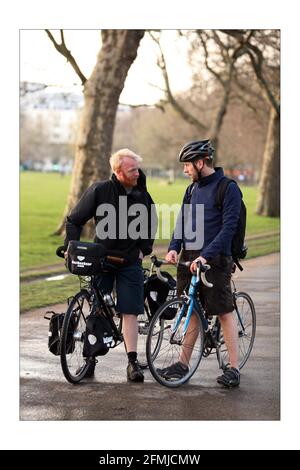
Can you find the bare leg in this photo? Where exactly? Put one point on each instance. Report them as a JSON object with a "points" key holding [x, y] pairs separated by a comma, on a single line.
{"points": [[189, 340], [130, 332], [230, 333]]}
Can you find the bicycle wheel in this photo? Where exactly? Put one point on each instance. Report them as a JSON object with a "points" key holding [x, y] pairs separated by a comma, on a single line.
{"points": [[167, 345], [245, 316], [143, 330], [73, 364]]}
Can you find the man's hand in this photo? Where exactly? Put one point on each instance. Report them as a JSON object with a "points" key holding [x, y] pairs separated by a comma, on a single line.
{"points": [[141, 256], [172, 257], [66, 254], [193, 266]]}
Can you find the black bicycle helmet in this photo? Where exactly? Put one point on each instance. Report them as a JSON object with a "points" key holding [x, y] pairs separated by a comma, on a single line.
{"points": [[196, 149]]}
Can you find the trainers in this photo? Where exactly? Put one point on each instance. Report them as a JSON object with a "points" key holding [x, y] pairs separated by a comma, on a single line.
{"points": [[134, 372], [176, 371], [230, 378]]}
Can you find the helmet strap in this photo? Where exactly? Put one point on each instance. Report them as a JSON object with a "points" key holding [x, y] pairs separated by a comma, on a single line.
{"points": [[198, 171]]}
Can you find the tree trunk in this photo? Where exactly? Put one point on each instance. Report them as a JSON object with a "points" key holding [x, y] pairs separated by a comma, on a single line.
{"points": [[219, 119], [101, 98], [269, 187]]}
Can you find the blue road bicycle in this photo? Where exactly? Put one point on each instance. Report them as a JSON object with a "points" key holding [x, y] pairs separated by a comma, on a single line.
{"points": [[190, 334]]}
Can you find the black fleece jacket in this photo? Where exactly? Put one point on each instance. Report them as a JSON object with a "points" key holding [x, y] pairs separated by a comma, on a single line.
{"points": [[108, 192]]}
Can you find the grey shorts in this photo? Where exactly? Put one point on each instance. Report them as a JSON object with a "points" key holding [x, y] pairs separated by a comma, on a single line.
{"points": [[217, 299], [129, 286]]}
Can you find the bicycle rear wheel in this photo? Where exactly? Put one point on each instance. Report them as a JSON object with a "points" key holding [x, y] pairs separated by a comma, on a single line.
{"points": [[245, 316], [73, 364], [173, 345]]}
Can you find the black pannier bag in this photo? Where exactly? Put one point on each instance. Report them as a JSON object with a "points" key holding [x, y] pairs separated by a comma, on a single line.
{"points": [[85, 258], [98, 336], [54, 334], [158, 292]]}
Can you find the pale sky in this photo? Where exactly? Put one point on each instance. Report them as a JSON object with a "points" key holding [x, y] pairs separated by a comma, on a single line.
{"points": [[39, 61]]}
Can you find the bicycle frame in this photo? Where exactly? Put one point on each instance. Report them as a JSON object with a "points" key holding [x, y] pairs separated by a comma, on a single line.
{"points": [[193, 304]]}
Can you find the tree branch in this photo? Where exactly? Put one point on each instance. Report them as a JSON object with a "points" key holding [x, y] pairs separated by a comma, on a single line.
{"points": [[170, 97], [63, 50], [209, 68], [256, 58]]}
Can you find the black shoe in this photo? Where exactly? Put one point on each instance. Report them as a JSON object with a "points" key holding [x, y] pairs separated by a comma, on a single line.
{"points": [[230, 378], [134, 372], [90, 370], [176, 371]]}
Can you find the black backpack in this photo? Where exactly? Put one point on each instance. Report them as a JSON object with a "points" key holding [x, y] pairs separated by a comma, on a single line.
{"points": [[238, 247]]}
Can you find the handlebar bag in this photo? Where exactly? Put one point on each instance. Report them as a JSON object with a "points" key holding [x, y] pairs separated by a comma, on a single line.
{"points": [[85, 258]]}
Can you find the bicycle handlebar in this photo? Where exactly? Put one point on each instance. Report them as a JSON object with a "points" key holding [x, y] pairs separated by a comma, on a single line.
{"points": [[61, 250], [201, 269], [115, 259]]}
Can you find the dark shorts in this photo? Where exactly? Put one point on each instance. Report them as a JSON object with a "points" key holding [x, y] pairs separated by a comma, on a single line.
{"points": [[129, 287], [217, 299]]}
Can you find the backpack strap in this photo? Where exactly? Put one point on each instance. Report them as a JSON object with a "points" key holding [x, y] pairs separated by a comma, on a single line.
{"points": [[221, 190], [189, 192]]}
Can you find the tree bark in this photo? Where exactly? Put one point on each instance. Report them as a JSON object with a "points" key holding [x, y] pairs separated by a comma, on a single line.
{"points": [[101, 97], [268, 203]]}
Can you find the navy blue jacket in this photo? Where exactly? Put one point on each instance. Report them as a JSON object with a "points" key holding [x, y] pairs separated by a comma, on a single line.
{"points": [[219, 224]]}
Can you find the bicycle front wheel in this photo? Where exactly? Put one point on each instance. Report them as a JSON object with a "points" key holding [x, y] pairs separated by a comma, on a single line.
{"points": [[143, 330], [174, 351], [73, 364], [245, 316]]}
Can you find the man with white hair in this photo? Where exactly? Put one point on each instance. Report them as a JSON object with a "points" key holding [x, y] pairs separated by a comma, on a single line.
{"points": [[113, 204]]}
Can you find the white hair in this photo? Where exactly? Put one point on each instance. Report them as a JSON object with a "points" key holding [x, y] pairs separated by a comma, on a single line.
{"points": [[117, 158]]}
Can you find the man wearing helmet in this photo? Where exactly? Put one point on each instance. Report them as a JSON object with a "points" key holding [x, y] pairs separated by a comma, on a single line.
{"points": [[219, 227]]}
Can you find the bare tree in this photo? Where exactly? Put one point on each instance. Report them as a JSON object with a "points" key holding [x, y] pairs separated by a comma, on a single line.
{"points": [[218, 55], [101, 97], [262, 49]]}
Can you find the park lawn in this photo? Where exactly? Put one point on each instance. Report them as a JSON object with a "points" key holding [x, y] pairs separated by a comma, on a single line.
{"points": [[41, 293], [42, 202]]}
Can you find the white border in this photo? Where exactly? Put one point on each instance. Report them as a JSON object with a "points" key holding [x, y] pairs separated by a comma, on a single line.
{"points": [[133, 14]]}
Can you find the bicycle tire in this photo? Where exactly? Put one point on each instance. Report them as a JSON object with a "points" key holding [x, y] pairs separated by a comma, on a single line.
{"points": [[144, 321], [246, 321], [168, 351], [143, 329], [74, 365]]}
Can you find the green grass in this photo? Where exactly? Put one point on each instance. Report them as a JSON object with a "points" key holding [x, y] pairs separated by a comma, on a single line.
{"points": [[41, 293], [42, 202]]}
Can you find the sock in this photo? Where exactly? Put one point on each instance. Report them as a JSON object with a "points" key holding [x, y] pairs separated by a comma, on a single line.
{"points": [[132, 356]]}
